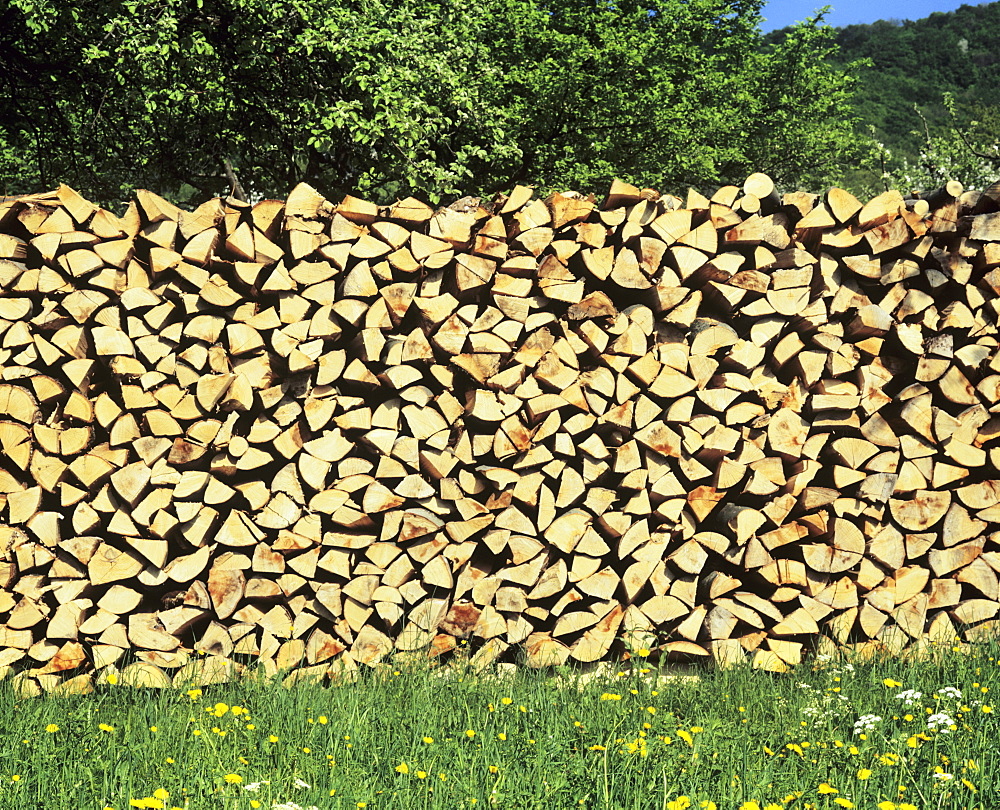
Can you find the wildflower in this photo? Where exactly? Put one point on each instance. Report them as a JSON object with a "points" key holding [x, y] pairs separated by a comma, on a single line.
{"points": [[272, 738], [253, 787], [300, 783], [750, 805], [597, 748], [428, 740], [843, 802], [106, 727], [52, 728], [909, 696], [154, 729], [987, 709], [112, 679], [161, 794], [940, 722], [707, 805], [969, 785], [506, 701], [680, 803], [864, 773], [686, 736], [610, 696], [891, 683], [643, 653], [194, 694], [826, 787], [866, 722], [402, 768], [494, 769], [950, 692], [323, 719], [421, 774], [470, 733], [501, 736], [939, 773], [220, 709], [233, 778]]}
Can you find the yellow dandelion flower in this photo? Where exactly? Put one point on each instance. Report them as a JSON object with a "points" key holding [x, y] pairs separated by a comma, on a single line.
{"points": [[194, 694], [610, 696], [773, 806], [696, 729], [864, 773], [272, 738], [233, 778], [169, 760], [886, 805], [323, 719], [643, 653], [197, 732], [686, 736], [750, 805], [826, 787], [52, 728], [255, 804], [470, 733], [891, 683], [428, 740], [680, 803], [16, 777], [106, 727], [844, 802], [402, 768], [708, 805], [307, 750], [506, 701], [220, 709], [494, 769], [987, 709], [154, 729], [501, 736], [421, 774], [112, 679], [161, 794]]}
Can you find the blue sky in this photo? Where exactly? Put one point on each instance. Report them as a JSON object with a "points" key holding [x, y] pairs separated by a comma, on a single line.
{"points": [[779, 13]]}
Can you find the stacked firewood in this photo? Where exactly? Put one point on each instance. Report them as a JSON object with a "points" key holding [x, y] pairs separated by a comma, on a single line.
{"points": [[313, 435]]}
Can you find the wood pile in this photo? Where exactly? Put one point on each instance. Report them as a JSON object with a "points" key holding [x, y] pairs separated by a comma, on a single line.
{"points": [[314, 435]]}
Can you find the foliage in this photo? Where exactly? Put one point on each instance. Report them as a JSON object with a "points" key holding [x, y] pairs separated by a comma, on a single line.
{"points": [[931, 95], [883, 733], [967, 152], [391, 97]]}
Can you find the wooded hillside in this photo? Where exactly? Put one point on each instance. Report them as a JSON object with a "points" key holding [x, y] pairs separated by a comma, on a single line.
{"points": [[312, 435]]}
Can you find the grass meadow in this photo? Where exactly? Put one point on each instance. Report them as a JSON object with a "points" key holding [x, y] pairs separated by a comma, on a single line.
{"points": [[834, 733]]}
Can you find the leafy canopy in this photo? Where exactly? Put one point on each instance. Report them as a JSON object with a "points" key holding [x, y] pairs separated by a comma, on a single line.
{"points": [[385, 98]]}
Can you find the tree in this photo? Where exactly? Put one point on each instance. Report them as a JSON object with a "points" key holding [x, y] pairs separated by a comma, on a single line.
{"points": [[386, 98]]}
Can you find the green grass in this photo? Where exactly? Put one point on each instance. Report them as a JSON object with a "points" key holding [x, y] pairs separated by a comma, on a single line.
{"points": [[402, 738]]}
